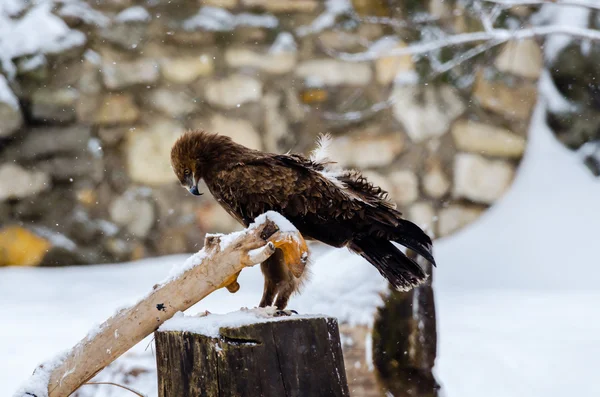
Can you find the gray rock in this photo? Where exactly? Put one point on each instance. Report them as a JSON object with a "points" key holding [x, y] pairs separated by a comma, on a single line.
{"points": [[89, 231], [426, 112], [233, 91], [17, 183], [241, 131], [12, 119], [522, 58], [275, 63], [117, 109], [333, 72], [51, 206], [340, 40], [487, 139], [281, 6], [33, 68], [148, 152], [387, 68], [423, 215], [221, 3], [439, 9], [435, 181], [54, 106], [65, 168], [406, 186], [120, 75], [46, 141], [184, 70], [515, 102], [364, 151], [456, 217], [127, 34], [276, 125], [481, 180], [172, 103], [215, 219], [119, 248], [61, 256], [111, 136], [293, 107], [5, 212], [133, 212], [10, 112]]}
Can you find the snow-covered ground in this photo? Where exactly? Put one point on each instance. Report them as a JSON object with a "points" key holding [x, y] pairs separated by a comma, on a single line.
{"points": [[517, 292]]}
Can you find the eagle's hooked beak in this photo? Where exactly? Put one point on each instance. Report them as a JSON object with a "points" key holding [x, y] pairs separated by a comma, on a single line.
{"points": [[194, 191], [194, 188]]}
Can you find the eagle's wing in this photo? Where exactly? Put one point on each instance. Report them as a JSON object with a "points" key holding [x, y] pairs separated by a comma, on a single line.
{"points": [[289, 184], [333, 207]]}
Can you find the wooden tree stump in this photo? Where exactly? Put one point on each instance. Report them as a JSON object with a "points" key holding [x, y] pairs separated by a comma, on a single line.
{"points": [[294, 357], [405, 341]]}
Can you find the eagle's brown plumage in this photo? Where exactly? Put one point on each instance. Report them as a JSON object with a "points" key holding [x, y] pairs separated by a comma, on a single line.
{"points": [[336, 207]]}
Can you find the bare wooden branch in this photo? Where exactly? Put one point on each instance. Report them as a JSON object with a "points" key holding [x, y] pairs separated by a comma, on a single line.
{"points": [[572, 3], [498, 36], [465, 56], [137, 393], [219, 264], [412, 23], [486, 19]]}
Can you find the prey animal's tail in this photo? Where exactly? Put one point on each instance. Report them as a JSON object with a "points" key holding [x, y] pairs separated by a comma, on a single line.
{"points": [[401, 271]]}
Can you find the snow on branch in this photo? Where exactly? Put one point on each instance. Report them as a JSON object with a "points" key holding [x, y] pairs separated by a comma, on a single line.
{"points": [[591, 4], [497, 36], [216, 266]]}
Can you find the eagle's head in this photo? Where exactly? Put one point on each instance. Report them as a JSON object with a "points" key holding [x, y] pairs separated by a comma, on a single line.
{"points": [[187, 159], [196, 153]]}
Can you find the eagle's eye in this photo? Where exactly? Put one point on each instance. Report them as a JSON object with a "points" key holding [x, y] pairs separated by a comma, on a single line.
{"points": [[186, 172]]}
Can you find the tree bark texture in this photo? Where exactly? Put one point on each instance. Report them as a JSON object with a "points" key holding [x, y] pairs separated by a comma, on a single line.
{"points": [[291, 358], [405, 341]]}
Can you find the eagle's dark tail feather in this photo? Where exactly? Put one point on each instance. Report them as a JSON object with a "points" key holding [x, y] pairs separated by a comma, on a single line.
{"points": [[411, 236], [402, 272]]}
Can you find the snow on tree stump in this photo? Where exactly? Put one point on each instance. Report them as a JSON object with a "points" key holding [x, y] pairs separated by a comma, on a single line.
{"points": [[250, 353]]}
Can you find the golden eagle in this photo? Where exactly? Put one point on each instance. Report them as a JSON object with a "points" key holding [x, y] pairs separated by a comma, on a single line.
{"points": [[324, 202]]}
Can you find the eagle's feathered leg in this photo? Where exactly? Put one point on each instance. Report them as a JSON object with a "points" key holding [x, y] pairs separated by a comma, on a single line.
{"points": [[280, 282], [284, 292]]}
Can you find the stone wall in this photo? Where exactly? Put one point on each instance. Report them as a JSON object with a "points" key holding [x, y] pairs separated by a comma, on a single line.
{"points": [[88, 120]]}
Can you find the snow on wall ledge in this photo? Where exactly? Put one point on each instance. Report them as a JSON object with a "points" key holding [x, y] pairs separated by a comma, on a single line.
{"points": [[39, 31]]}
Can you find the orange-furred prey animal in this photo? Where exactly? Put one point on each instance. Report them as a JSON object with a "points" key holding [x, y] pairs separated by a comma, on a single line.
{"points": [[324, 202]]}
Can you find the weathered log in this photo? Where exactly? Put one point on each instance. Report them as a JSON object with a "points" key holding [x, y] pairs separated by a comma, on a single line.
{"points": [[216, 266], [299, 356]]}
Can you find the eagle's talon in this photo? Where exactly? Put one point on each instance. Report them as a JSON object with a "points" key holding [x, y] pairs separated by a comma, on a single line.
{"points": [[280, 313]]}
